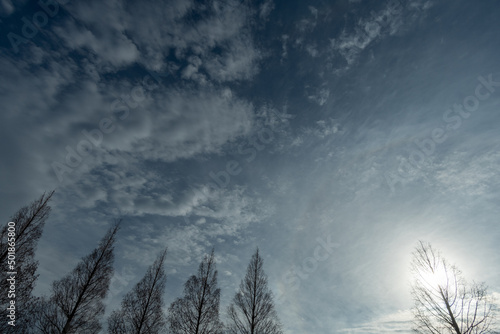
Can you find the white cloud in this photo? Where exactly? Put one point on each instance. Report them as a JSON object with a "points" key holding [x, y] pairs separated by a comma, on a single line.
{"points": [[380, 24], [397, 322], [121, 33], [188, 123], [112, 46], [240, 62], [313, 11], [463, 173], [312, 50], [266, 8], [321, 96], [284, 46], [225, 213]]}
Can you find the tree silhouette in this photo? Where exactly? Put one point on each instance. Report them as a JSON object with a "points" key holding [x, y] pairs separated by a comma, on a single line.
{"points": [[29, 222], [198, 311], [252, 310], [444, 301], [76, 304], [141, 310]]}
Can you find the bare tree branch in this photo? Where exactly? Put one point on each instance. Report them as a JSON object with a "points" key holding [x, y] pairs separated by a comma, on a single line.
{"points": [[76, 304], [29, 222], [141, 311], [444, 301], [252, 310], [198, 311]]}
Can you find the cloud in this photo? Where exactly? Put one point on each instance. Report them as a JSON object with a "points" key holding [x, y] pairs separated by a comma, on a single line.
{"points": [[112, 46], [312, 50], [467, 174], [75, 84], [121, 33], [321, 96], [6, 7], [224, 214], [385, 22], [265, 9], [167, 125], [322, 130], [313, 11], [188, 123], [284, 47], [240, 62], [397, 322]]}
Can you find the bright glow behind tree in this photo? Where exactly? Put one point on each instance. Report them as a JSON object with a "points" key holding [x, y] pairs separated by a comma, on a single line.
{"points": [[444, 301]]}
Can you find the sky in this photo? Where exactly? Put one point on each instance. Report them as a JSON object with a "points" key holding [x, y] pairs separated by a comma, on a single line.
{"points": [[333, 135]]}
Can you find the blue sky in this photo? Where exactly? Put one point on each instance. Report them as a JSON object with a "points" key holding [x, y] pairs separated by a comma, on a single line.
{"points": [[333, 135]]}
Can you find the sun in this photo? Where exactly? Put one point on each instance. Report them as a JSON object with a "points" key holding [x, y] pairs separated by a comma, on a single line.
{"points": [[437, 278]]}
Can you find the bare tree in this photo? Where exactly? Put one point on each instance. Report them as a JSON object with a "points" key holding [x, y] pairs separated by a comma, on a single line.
{"points": [[252, 310], [76, 304], [198, 311], [444, 301], [18, 243], [141, 311]]}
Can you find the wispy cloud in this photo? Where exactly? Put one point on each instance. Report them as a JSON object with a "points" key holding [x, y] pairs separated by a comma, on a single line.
{"points": [[398, 322]]}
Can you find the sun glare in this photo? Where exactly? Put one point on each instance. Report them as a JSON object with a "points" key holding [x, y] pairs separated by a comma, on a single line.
{"points": [[437, 279]]}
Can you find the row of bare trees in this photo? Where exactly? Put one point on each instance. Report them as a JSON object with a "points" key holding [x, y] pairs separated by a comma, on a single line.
{"points": [[444, 301], [76, 301]]}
